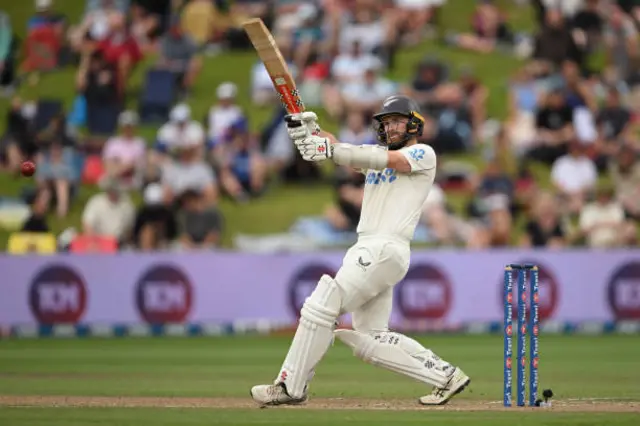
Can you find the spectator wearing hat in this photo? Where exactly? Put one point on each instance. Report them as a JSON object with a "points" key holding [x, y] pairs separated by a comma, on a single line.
{"points": [[180, 130], [223, 114], [179, 54], [155, 224], [188, 171], [200, 224], [243, 168], [124, 154], [109, 213]]}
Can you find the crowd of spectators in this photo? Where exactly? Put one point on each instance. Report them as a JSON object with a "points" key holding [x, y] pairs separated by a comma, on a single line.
{"points": [[581, 123]]}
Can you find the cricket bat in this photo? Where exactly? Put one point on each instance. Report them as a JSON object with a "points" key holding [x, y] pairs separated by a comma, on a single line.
{"points": [[275, 64]]}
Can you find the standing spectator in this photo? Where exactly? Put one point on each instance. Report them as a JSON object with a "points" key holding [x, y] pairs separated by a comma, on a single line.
{"points": [[56, 172], [155, 225], [603, 223], [200, 223], [545, 228], [97, 81], [124, 155], [178, 53], [110, 213], [574, 176]]}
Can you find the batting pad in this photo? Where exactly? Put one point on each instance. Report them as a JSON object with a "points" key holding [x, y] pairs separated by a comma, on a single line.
{"points": [[313, 336], [390, 355]]}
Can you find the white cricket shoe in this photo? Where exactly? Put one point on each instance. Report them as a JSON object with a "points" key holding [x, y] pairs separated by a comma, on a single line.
{"points": [[454, 386], [274, 395]]}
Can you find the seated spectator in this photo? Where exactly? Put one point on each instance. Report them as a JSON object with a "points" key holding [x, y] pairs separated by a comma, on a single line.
{"points": [[55, 131], [56, 172], [110, 213], [430, 74], [574, 175], [356, 132], [344, 215], [587, 25], [367, 26], [200, 224], [554, 129], [124, 155], [180, 130], [46, 17], [621, 42], [614, 124], [224, 113], [545, 228], [121, 51], [95, 25], [496, 224], [18, 143], [155, 225], [37, 220], [178, 53], [625, 173], [489, 26], [453, 121], [554, 42], [475, 98], [365, 95], [96, 80], [243, 169], [413, 16], [188, 172], [603, 224], [352, 65], [494, 180], [523, 106]]}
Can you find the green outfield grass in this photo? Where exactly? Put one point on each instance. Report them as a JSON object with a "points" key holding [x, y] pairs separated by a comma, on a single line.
{"points": [[594, 378]]}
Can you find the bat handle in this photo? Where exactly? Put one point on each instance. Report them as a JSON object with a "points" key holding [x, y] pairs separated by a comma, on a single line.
{"points": [[291, 122]]}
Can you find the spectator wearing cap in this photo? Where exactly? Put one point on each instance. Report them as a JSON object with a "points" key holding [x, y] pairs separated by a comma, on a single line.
{"points": [[200, 224], [109, 213], [124, 155], [188, 171], [574, 175], [155, 225], [180, 130], [243, 168], [179, 54], [224, 113]]}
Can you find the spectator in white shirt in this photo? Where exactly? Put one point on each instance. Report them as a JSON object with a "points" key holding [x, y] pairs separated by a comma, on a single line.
{"points": [[603, 223], [188, 172], [574, 175], [110, 213], [124, 155], [180, 130], [364, 95], [224, 113], [352, 65]]}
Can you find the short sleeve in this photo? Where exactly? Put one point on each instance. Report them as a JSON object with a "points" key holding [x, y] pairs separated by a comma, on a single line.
{"points": [[421, 157]]}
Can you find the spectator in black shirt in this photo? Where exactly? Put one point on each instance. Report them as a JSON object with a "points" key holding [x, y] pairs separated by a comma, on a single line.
{"points": [[545, 229], [613, 123], [155, 225], [554, 129]]}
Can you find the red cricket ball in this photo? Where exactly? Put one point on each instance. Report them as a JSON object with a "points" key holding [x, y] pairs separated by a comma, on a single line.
{"points": [[28, 168]]}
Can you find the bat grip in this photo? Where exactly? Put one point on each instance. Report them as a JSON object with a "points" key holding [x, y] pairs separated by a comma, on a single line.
{"points": [[291, 122]]}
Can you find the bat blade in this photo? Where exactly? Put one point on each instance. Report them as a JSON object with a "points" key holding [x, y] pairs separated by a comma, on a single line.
{"points": [[274, 62]]}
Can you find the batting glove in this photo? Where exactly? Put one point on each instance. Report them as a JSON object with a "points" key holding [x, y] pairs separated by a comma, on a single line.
{"points": [[314, 148], [302, 125]]}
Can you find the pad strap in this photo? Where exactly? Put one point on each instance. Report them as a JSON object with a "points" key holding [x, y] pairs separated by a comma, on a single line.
{"points": [[360, 156]]}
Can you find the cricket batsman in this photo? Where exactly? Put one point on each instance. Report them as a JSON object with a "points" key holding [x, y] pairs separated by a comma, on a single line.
{"points": [[399, 175]]}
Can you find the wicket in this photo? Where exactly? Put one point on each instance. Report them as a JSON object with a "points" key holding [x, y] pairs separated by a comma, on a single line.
{"points": [[533, 329]]}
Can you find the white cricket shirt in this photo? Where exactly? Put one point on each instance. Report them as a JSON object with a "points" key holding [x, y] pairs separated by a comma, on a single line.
{"points": [[393, 201]]}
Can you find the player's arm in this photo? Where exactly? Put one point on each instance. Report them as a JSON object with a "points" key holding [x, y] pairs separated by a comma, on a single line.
{"points": [[412, 159]]}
